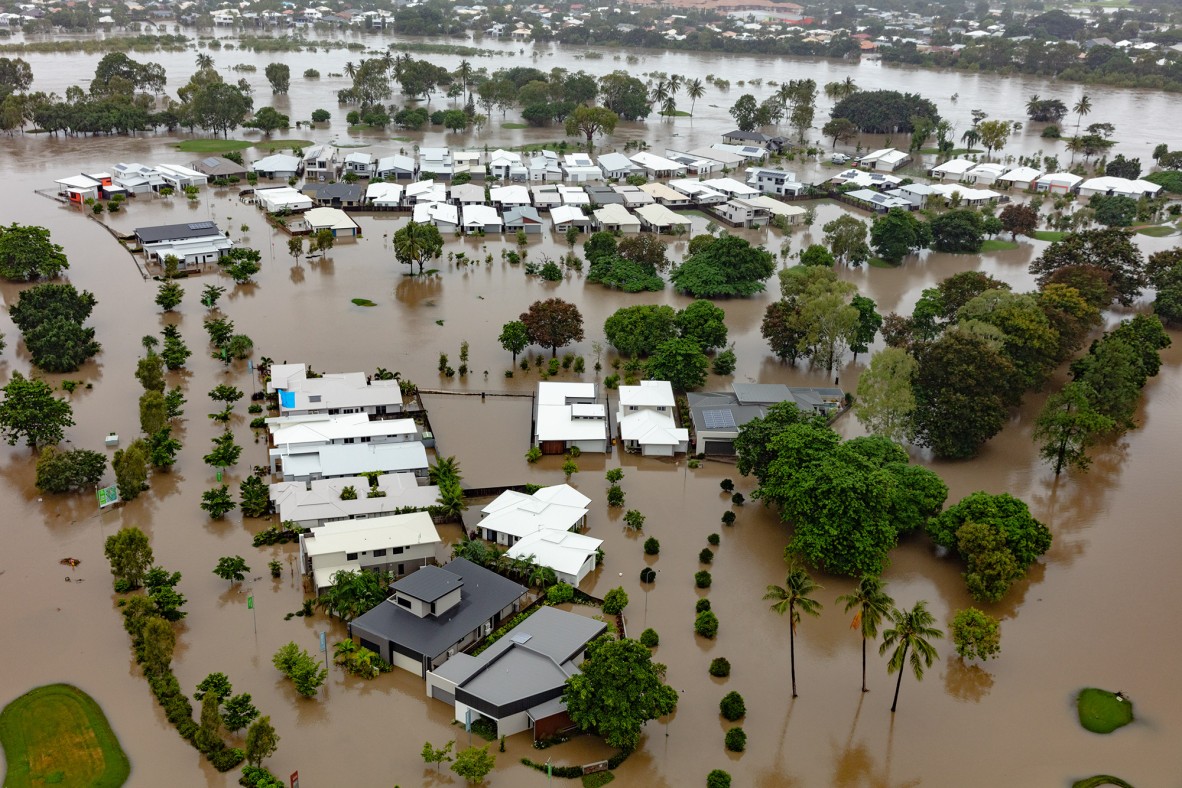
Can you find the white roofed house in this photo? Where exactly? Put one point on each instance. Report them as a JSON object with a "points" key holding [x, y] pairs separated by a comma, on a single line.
{"points": [[137, 178], [664, 194], [514, 515], [334, 219], [885, 160], [658, 166], [952, 170], [616, 166], [1058, 182], [867, 180], [481, 218], [78, 188], [646, 420], [397, 544], [616, 218], [320, 163], [731, 187], [425, 191], [278, 166], [984, 173], [505, 197], [1109, 185], [573, 195], [634, 196], [293, 435], [1020, 178], [571, 555], [780, 183], [877, 201], [580, 168], [660, 219], [569, 415], [332, 394], [744, 212], [694, 165], [546, 197], [444, 216], [380, 194], [567, 216], [466, 194], [524, 218], [194, 244], [311, 504], [506, 165], [359, 163], [282, 198], [178, 176], [397, 167], [968, 196], [543, 167], [754, 153], [725, 158], [697, 192], [436, 161]]}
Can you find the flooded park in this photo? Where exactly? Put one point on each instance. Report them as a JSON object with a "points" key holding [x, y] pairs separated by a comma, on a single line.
{"points": [[1093, 612]]}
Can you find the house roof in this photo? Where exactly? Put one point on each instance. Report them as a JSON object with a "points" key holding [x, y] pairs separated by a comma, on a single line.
{"points": [[650, 428], [384, 193], [726, 411], [467, 192], [777, 207], [1021, 175], [616, 162], [562, 214], [279, 162], [1064, 178], [988, 168], [370, 533], [724, 157], [396, 162], [650, 393], [481, 216], [352, 459], [331, 218], [509, 195], [615, 213], [661, 191], [320, 499], [1120, 185], [953, 167], [745, 136], [345, 192], [651, 161], [431, 212], [177, 232], [660, 216], [283, 197], [965, 192], [878, 198], [562, 551], [334, 389], [429, 583], [522, 214], [731, 186], [889, 155], [557, 508], [864, 178], [482, 595], [323, 428], [218, 166]]}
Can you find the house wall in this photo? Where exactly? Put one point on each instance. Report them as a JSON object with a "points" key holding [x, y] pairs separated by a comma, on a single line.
{"points": [[656, 451], [440, 689], [594, 446], [549, 727], [705, 435]]}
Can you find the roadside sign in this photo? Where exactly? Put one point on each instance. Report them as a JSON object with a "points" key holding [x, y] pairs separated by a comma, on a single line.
{"points": [[250, 602], [108, 495], [324, 641], [295, 779]]}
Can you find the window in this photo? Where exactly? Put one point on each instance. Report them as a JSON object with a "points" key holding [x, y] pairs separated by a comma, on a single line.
{"points": [[661, 408], [350, 440], [396, 550], [379, 553], [313, 398], [403, 602], [350, 556]]}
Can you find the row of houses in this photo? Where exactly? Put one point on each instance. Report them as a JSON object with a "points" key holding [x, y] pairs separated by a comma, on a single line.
{"points": [[1031, 179], [128, 179]]}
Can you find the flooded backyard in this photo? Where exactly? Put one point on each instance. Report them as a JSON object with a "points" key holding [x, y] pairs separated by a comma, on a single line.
{"points": [[1093, 612]]}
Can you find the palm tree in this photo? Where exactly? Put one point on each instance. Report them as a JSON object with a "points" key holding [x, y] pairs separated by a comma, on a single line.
{"points": [[464, 72], [350, 70], [794, 598], [661, 91], [911, 631], [669, 107], [873, 605], [445, 468], [971, 137], [695, 90], [675, 83], [1032, 104], [204, 60], [1081, 108]]}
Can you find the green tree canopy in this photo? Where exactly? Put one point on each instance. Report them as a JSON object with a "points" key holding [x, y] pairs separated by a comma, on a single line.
{"points": [[958, 230], [27, 253], [638, 330], [130, 555], [885, 111], [897, 233], [704, 323], [975, 634], [1025, 537], [729, 266], [885, 400], [30, 412], [679, 361], [553, 323], [1111, 250], [416, 243], [67, 471]]}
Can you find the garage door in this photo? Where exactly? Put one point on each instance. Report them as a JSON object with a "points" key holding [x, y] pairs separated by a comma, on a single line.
{"points": [[553, 447], [720, 447], [370, 645], [439, 693]]}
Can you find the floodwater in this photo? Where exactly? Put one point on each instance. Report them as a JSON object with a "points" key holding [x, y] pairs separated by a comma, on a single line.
{"points": [[1091, 613]]}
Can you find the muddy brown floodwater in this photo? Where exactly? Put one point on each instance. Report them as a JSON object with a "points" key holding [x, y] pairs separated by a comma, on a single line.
{"points": [[1095, 611]]}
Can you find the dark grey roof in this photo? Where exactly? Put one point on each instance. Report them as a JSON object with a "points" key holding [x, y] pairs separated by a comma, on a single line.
{"points": [[218, 165], [428, 584], [482, 595], [761, 393], [346, 192], [604, 195], [753, 136], [176, 232]]}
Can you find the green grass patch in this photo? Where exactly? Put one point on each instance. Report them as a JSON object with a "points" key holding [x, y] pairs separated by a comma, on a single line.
{"points": [[597, 779], [1100, 711], [677, 113], [213, 146], [514, 125], [1157, 231], [878, 262], [58, 735], [998, 245], [1049, 235], [955, 152], [274, 145], [1099, 780], [363, 302]]}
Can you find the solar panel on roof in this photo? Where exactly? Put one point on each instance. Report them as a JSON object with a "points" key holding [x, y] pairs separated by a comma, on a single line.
{"points": [[210, 162], [718, 419], [201, 225]]}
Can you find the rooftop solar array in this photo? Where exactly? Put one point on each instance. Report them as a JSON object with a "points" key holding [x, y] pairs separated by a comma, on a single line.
{"points": [[718, 419]]}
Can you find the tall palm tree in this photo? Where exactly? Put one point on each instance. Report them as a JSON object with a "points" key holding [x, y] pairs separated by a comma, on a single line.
{"points": [[911, 631], [350, 70], [1032, 104], [873, 604], [695, 90], [204, 60], [1081, 108], [675, 82], [661, 91], [464, 73], [849, 87], [445, 468], [669, 107], [971, 137], [794, 598]]}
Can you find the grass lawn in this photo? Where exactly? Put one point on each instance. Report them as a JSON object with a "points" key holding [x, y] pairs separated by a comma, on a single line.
{"points": [[58, 735], [514, 125], [597, 779], [274, 145], [1157, 231], [878, 262], [1099, 780], [955, 152], [213, 146], [1101, 712], [1049, 235], [998, 245], [677, 113], [363, 302]]}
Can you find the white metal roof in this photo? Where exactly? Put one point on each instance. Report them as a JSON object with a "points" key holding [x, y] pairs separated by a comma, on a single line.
{"points": [[650, 393], [330, 218], [509, 195], [325, 428], [1021, 175], [561, 214], [562, 551], [381, 193], [370, 533], [660, 216], [481, 216], [352, 459], [953, 167], [434, 212], [320, 499], [616, 214]]}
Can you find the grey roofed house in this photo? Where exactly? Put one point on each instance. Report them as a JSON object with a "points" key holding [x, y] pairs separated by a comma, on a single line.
{"points": [[335, 195], [523, 217], [435, 612], [745, 136], [603, 195], [717, 415], [176, 232], [219, 167], [519, 679]]}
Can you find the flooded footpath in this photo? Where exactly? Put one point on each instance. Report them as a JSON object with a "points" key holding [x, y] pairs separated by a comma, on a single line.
{"points": [[1090, 613]]}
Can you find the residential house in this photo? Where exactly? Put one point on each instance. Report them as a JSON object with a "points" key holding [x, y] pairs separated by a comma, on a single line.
{"points": [[397, 166], [334, 219], [655, 166], [335, 393], [569, 415], [725, 159], [468, 161], [697, 192], [1109, 185], [524, 218], [952, 170], [380, 194], [740, 137], [546, 197], [731, 187], [885, 160], [505, 197], [916, 194], [180, 177], [571, 555], [320, 163], [506, 165], [616, 166], [665, 195], [544, 167], [567, 216], [436, 161], [517, 683], [750, 153], [444, 216], [717, 415], [646, 420], [573, 195], [968, 197], [514, 515], [1058, 183], [616, 218], [466, 194], [314, 503], [78, 188], [336, 195], [436, 612], [879, 202], [579, 168], [332, 460], [360, 164], [634, 196], [793, 214], [425, 191], [481, 218], [1024, 178], [600, 194], [279, 166], [219, 167], [694, 165], [137, 178], [282, 199], [780, 183], [867, 180], [659, 219], [193, 244], [397, 544], [741, 212], [984, 173]]}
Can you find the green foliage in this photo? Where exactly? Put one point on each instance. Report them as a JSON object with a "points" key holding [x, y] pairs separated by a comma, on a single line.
{"points": [[702, 579], [614, 475], [976, 635], [702, 605], [216, 683], [50, 316], [816, 254], [618, 690], [533, 455], [169, 296], [241, 263], [898, 233], [732, 707], [679, 361], [238, 711], [1069, 425], [217, 502], [652, 546], [650, 638], [846, 237], [353, 592], [225, 452], [261, 741], [416, 243], [720, 667], [910, 630], [130, 555], [301, 667], [514, 337], [1101, 711], [728, 518], [736, 740], [27, 253], [437, 755], [639, 330], [717, 778], [232, 568], [614, 601], [553, 323], [725, 362], [729, 266], [559, 593], [163, 448], [706, 624], [615, 495], [1111, 250], [885, 399], [1114, 210], [959, 230], [254, 497], [885, 111], [713, 539], [704, 323], [634, 519], [474, 763], [153, 412], [706, 556], [131, 469], [68, 471]]}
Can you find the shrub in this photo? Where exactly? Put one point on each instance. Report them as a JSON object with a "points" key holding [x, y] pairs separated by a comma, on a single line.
{"points": [[706, 624], [720, 667], [718, 779], [648, 575], [652, 546], [533, 455], [650, 638], [559, 593], [728, 518], [614, 475], [732, 706], [634, 519], [226, 759], [615, 601], [706, 556], [713, 539], [701, 605], [615, 495], [736, 740], [727, 485], [737, 499], [702, 579], [122, 585]]}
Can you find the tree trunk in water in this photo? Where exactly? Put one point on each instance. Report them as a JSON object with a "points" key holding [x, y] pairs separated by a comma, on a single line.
{"points": [[864, 664], [1062, 454], [899, 683], [792, 648]]}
